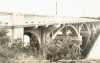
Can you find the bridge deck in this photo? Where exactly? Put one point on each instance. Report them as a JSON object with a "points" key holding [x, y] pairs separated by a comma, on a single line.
{"points": [[27, 20]]}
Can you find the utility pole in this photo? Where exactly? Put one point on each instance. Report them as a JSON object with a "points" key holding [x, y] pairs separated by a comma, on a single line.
{"points": [[56, 7], [59, 7]]}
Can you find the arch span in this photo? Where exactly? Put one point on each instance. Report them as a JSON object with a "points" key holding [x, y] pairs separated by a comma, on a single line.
{"points": [[73, 29], [68, 27]]}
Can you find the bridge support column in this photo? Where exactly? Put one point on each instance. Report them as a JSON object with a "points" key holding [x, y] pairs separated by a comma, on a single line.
{"points": [[43, 42], [17, 33]]}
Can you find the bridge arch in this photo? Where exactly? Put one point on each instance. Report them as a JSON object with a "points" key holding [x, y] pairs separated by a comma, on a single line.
{"points": [[84, 27], [73, 29], [85, 32], [34, 42], [64, 38]]}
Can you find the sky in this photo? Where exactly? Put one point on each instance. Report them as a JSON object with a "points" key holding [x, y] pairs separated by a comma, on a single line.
{"points": [[48, 7]]}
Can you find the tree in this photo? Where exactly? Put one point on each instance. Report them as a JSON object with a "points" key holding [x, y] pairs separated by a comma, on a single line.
{"points": [[5, 52], [4, 39]]}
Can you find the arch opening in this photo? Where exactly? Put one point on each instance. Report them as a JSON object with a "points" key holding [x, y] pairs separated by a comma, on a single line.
{"points": [[71, 31], [67, 31], [26, 40], [31, 40], [85, 32]]}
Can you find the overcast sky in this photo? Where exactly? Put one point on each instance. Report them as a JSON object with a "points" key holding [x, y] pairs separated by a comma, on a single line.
{"points": [[48, 7]]}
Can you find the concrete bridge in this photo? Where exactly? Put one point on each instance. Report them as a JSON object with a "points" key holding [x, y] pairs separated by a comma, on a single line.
{"points": [[45, 29]]}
